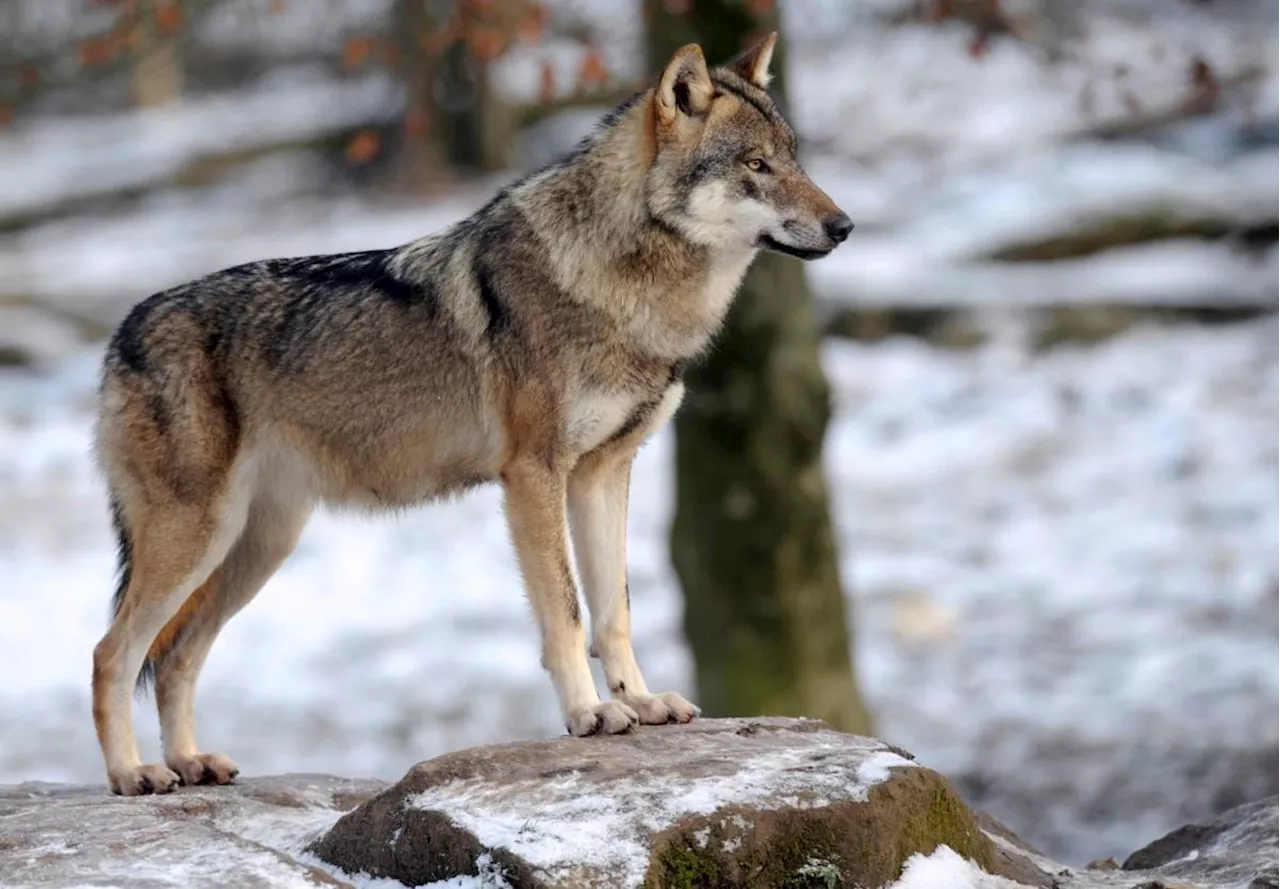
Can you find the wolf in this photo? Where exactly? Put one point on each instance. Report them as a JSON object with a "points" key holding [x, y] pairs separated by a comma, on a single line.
{"points": [[535, 344]]}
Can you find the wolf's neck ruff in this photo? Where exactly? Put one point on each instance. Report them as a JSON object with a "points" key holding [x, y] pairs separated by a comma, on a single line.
{"points": [[618, 241], [598, 216]]}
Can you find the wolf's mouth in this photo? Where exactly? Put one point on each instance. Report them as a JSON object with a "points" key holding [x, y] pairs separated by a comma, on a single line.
{"points": [[771, 243]]}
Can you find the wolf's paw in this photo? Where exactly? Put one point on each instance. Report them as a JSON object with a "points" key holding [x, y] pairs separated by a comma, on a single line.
{"points": [[141, 780], [205, 768], [662, 708], [609, 718]]}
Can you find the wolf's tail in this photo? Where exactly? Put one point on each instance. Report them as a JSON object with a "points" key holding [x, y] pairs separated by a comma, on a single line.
{"points": [[124, 573]]}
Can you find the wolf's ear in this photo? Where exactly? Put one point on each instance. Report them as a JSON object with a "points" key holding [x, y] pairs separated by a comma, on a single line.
{"points": [[685, 87], [753, 65]]}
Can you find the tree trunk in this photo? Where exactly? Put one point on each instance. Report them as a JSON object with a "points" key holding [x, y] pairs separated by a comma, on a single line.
{"points": [[752, 540], [456, 122], [157, 72]]}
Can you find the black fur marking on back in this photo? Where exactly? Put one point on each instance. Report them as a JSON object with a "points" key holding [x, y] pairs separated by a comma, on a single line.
{"points": [[494, 305], [128, 343], [369, 270], [324, 290]]}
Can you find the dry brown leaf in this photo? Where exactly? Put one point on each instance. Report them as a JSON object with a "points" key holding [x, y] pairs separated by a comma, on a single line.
{"points": [[363, 147]]}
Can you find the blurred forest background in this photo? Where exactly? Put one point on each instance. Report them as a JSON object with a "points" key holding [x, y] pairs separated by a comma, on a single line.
{"points": [[1006, 462]]}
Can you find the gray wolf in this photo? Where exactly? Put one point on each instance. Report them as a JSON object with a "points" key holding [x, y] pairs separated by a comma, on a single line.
{"points": [[536, 344]]}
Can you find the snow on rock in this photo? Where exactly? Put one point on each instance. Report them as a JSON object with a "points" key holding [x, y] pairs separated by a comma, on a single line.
{"points": [[244, 835], [943, 867], [794, 798]]}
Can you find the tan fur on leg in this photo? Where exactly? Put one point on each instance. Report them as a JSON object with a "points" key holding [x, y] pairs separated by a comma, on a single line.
{"points": [[598, 515], [274, 524], [535, 506], [174, 551]]}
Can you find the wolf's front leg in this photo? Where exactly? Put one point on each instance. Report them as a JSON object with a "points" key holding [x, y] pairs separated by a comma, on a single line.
{"points": [[598, 515], [535, 507]]}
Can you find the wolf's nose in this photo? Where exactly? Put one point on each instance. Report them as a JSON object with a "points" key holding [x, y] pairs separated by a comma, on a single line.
{"points": [[838, 227]]}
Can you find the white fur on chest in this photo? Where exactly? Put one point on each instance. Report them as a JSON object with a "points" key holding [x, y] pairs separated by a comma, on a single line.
{"points": [[594, 416], [727, 272]]}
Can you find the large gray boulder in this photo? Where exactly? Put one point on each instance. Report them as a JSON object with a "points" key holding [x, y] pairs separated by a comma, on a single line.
{"points": [[728, 802]]}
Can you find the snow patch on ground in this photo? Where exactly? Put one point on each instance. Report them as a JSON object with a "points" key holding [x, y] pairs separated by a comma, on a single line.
{"points": [[48, 161], [912, 100], [943, 867]]}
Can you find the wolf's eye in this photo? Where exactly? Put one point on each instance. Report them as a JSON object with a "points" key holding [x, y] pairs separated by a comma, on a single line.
{"points": [[756, 165]]}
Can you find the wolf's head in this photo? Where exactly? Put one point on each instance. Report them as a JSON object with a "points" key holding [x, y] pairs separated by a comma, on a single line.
{"points": [[725, 172]]}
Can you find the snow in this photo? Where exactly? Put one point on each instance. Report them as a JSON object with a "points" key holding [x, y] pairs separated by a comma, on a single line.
{"points": [[489, 876], [913, 96], [45, 161], [932, 244], [943, 867]]}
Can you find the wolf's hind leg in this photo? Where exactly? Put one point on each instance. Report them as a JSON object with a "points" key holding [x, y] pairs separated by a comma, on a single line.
{"points": [[598, 515], [535, 507], [271, 531], [173, 549]]}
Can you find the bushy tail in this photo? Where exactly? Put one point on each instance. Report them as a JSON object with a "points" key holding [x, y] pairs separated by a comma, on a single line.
{"points": [[124, 573], [124, 556], [171, 638]]}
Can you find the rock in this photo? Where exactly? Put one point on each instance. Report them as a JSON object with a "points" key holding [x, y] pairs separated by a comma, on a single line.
{"points": [[1239, 847], [762, 803], [243, 835], [728, 802]]}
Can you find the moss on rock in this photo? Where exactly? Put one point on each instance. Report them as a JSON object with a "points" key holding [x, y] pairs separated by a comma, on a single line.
{"points": [[854, 843]]}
